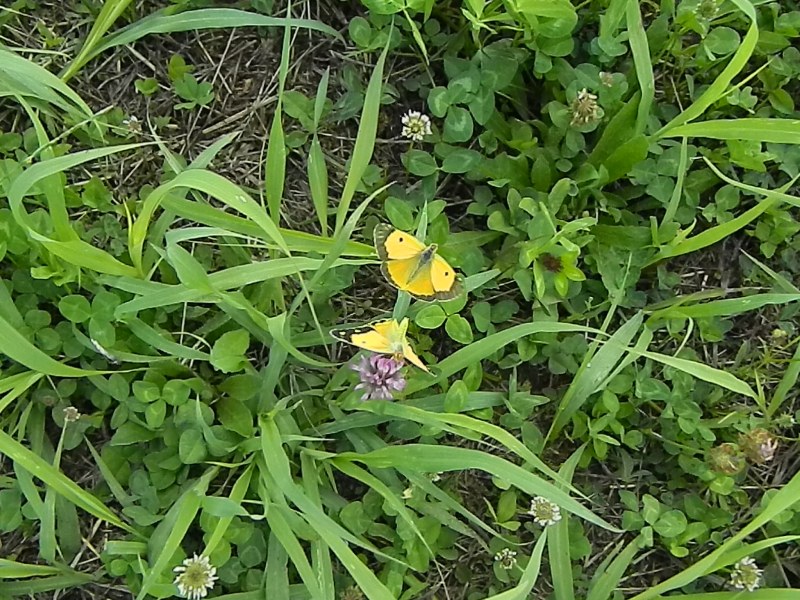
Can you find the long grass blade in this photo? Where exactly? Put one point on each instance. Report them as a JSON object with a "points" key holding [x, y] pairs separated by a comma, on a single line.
{"points": [[643, 63]]}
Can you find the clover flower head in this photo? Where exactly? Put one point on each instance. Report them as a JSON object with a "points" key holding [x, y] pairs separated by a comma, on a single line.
{"points": [[416, 125], [133, 124], [758, 445], [746, 575], [507, 559], [544, 512], [726, 459], [584, 108], [71, 414], [380, 377], [195, 577]]}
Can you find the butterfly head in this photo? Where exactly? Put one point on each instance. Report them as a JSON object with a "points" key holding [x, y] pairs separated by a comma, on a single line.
{"points": [[428, 253]]}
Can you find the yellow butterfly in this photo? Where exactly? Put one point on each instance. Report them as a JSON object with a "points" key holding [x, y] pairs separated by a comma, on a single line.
{"points": [[411, 266], [383, 337]]}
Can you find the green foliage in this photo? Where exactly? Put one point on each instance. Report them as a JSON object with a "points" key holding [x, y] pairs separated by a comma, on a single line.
{"points": [[592, 170]]}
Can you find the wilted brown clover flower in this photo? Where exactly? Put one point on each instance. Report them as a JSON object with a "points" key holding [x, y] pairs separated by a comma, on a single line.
{"points": [[726, 459], [758, 445], [584, 108]]}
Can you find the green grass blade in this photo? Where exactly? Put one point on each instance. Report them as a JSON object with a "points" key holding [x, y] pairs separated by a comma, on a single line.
{"points": [[720, 86], [558, 547], [275, 165], [643, 63], [787, 383], [776, 131], [14, 345], [332, 533], [365, 139], [14, 386], [677, 193], [607, 577], [169, 534], [433, 459], [725, 308], [13, 569], [58, 482], [522, 590], [279, 526], [110, 12], [477, 351], [206, 18], [45, 584], [320, 553], [237, 494], [23, 77], [454, 422], [589, 378], [700, 371], [276, 584]]}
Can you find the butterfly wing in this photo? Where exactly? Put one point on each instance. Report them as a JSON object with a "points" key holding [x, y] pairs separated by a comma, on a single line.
{"points": [[393, 244], [443, 279], [367, 337]]}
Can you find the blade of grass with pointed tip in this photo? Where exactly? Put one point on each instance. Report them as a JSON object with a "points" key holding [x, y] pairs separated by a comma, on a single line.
{"points": [[14, 345], [724, 308], [237, 494], [275, 165], [169, 534], [365, 139], [25, 78], [60, 483], [45, 584], [110, 12], [316, 167], [433, 459], [558, 551], [480, 349], [643, 64], [205, 18], [607, 577], [13, 386], [331, 532], [761, 594], [12, 568], [775, 131], [590, 377], [451, 421], [720, 85]]}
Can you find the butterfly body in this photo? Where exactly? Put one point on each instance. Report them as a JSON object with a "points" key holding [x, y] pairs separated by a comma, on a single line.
{"points": [[411, 266], [382, 337]]}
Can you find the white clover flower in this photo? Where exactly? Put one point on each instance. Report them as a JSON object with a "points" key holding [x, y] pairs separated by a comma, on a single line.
{"points": [[71, 414], [585, 109], [416, 125], [746, 575], [195, 577], [544, 512], [133, 124], [507, 559]]}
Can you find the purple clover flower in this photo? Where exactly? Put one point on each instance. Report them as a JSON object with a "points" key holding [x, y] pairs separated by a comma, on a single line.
{"points": [[380, 377]]}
